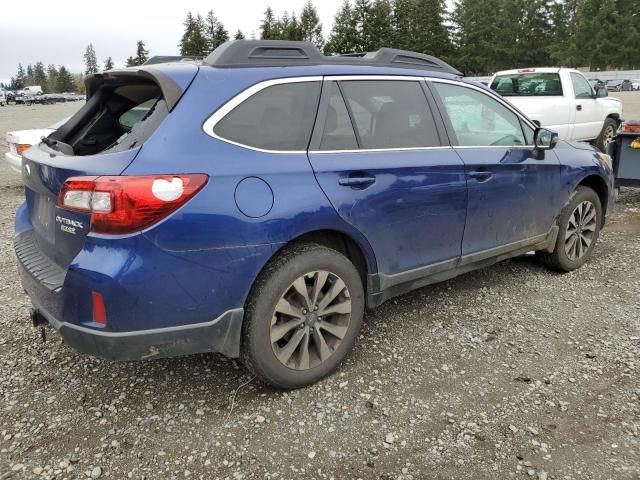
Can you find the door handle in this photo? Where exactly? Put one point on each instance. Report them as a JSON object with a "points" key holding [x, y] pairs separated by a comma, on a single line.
{"points": [[481, 175], [579, 107], [357, 180]]}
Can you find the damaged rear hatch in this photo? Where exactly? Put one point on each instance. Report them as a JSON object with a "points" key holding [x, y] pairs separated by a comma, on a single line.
{"points": [[123, 109]]}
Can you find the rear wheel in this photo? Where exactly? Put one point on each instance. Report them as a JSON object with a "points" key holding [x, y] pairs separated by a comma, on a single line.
{"points": [[303, 316], [579, 226], [607, 134]]}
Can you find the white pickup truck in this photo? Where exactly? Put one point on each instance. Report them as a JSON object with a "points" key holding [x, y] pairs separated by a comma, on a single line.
{"points": [[562, 100]]}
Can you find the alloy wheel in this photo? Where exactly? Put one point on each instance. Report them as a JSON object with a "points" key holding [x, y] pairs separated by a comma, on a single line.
{"points": [[581, 230], [310, 320], [608, 136]]}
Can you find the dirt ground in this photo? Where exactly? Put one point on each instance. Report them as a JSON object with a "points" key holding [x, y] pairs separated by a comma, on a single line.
{"points": [[508, 372]]}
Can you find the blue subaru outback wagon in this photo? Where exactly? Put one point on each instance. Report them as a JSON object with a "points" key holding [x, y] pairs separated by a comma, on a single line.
{"points": [[255, 203]]}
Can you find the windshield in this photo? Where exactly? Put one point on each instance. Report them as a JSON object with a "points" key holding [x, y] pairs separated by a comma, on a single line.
{"points": [[528, 85]]}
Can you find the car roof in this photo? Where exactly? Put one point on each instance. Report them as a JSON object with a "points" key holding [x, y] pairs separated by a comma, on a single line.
{"points": [[517, 71], [268, 73], [280, 53]]}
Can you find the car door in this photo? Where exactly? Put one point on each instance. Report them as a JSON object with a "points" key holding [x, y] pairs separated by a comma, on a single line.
{"points": [[513, 197], [589, 114], [379, 156]]}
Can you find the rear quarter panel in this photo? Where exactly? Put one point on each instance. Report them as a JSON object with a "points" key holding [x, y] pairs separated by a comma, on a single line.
{"points": [[204, 258]]}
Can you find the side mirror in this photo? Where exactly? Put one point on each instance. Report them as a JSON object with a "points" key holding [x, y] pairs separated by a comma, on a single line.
{"points": [[602, 92], [544, 139]]}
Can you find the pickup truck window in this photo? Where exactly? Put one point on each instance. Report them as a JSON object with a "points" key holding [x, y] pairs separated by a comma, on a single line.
{"points": [[581, 87], [478, 120], [528, 85]]}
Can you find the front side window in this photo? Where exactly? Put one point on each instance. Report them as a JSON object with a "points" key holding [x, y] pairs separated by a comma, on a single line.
{"points": [[279, 117], [581, 87], [479, 120], [528, 85], [390, 114]]}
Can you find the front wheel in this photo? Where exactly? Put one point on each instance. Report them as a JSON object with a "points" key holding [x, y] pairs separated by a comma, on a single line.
{"points": [[579, 226], [607, 134], [303, 316]]}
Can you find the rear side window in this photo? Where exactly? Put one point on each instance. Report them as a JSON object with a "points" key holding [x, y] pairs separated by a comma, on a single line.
{"points": [[279, 117], [390, 114], [337, 132], [528, 85]]}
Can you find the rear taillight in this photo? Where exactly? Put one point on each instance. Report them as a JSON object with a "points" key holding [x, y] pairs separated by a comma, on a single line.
{"points": [[631, 126], [127, 204], [21, 147]]}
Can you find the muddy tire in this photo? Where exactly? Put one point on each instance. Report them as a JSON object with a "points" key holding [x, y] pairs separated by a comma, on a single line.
{"points": [[579, 226], [607, 134], [302, 317]]}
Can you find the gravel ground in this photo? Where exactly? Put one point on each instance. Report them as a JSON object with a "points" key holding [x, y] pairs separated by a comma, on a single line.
{"points": [[508, 372]]}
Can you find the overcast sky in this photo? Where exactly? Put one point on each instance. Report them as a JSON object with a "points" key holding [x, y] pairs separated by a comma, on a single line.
{"points": [[58, 32]]}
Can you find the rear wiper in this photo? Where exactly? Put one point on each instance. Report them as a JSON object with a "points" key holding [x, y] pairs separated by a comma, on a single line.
{"points": [[61, 147]]}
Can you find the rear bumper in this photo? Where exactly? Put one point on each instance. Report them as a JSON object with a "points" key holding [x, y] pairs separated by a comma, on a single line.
{"points": [[14, 161], [220, 335], [58, 301]]}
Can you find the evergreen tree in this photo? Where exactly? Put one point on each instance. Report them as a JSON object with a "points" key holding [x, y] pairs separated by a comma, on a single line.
{"points": [[477, 36], [40, 76], [310, 26], [627, 27], [269, 28], [403, 24], [194, 42], [563, 20], [380, 25], [142, 54], [52, 78], [21, 78], [78, 83], [604, 34], [536, 34], [221, 36], [64, 82], [289, 28], [239, 35], [429, 32], [344, 34], [90, 60], [108, 64], [214, 32], [29, 72], [364, 34]]}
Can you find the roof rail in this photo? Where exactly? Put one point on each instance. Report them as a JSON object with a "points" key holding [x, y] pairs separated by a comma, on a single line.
{"points": [[278, 53]]}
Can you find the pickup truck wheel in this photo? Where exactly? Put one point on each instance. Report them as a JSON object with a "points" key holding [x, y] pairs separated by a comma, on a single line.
{"points": [[303, 316], [607, 134], [579, 226]]}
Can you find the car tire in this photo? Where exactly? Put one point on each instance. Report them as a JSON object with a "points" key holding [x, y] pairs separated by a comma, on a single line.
{"points": [[578, 232], [269, 335], [607, 134]]}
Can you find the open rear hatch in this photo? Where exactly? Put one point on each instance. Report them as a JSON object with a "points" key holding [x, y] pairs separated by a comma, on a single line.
{"points": [[123, 110]]}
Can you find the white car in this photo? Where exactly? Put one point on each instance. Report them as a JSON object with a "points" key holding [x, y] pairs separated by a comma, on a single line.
{"points": [[562, 100], [635, 83], [20, 140], [32, 90]]}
